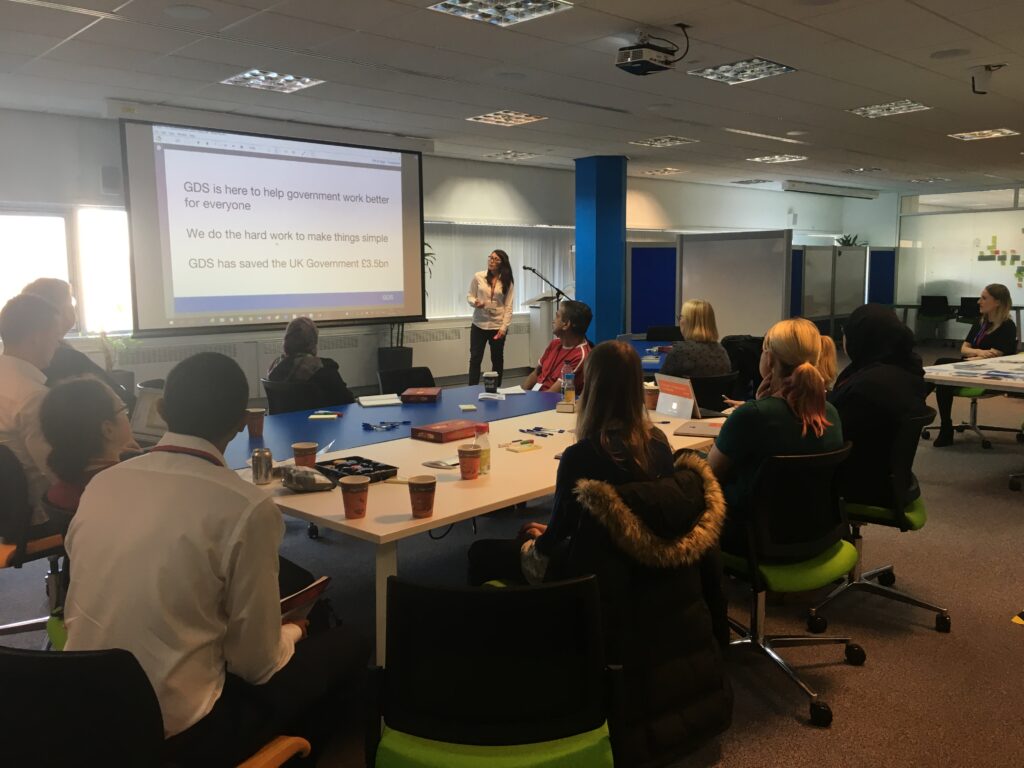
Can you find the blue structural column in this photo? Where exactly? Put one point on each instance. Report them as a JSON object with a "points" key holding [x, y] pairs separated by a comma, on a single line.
{"points": [[601, 242]]}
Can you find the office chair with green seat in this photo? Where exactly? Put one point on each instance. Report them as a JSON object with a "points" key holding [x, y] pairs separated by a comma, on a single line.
{"points": [[905, 514], [976, 394], [511, 678], [795, 543]]}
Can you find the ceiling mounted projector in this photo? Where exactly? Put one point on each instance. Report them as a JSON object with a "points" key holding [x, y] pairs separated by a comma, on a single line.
{"points": [[829, 189], [646, 58]]}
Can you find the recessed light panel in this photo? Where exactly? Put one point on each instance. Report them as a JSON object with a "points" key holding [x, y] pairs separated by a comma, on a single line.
{"points": [[863, 170], [502, 13], [506, 118], [509, 154], [992, 133], [752, 181], [745, 71], [268, 80], [930, 180], [777, 159], [901, 107], [663, 171], [763, 136], [660, 142]]}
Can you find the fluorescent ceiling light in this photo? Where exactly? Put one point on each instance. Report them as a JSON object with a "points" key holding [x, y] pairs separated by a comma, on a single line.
{"points": [[991, 133], [268, 80], [742, 71], [777, 159], [929, 180], [863, 170], [506, 118], [752, 181], [502, 13], [901, 107], [660, 142], [509, 154], [763, 136], [663, 171]]}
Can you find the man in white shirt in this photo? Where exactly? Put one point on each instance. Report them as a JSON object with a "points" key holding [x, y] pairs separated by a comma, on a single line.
{"points": [[175, 559], [30, 332]]}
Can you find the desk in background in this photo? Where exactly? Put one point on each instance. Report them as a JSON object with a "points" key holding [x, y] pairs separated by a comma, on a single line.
{"points": [[641, 346], [1001, 374]]}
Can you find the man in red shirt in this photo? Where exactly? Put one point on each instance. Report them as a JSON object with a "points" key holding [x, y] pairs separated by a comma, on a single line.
{"points": [[570, 346]]}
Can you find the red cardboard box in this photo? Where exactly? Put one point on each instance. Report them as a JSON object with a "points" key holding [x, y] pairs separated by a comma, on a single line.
{"points": [[421, 395], [445, 431]]}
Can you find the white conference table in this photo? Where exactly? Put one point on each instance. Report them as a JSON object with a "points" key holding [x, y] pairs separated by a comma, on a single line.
{"points": [[1002, 374], [514, 478]]}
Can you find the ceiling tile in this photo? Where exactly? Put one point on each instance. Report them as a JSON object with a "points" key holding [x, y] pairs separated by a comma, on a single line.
{"points": [[41, 21], [221, 15], [355, 16], [139, 37], [278, 30]]}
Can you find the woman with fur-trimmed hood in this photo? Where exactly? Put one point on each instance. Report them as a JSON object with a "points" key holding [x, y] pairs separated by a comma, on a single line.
{"points": [[647, 525]]}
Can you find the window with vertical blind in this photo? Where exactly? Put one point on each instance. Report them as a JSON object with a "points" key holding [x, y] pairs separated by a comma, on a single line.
{"points": [[34, 245]]}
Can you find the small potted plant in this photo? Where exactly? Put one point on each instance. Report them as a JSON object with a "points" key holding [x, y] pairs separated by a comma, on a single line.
{"points": [[113, 349]]}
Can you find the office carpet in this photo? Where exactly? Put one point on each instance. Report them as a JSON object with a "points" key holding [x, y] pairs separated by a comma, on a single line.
{"points": [[922, 699]]}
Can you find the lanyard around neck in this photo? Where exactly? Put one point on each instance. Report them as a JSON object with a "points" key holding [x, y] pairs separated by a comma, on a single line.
{"points": [[204, 455]]}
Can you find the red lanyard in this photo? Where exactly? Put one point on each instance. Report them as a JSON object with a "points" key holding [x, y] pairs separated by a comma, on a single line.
{"points": [[982, 333], [188, 452]]}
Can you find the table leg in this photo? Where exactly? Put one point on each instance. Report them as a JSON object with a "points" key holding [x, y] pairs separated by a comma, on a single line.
{"points": [[386, 565]]}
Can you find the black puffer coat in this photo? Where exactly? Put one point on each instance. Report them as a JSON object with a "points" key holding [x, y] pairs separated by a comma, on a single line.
{"points": [[654, 548]]}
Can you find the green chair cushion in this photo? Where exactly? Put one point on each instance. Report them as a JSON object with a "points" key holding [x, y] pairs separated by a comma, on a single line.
{"points": [[834, 563], [970, 392], [862, 513], [592, 749]]}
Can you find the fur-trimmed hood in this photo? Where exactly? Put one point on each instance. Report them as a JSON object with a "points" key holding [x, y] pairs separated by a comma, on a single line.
{"points": [[665, 523]]}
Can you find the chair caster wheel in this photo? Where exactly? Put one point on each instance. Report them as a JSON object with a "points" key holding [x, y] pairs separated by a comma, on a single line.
{"points": [[855, 655], [926, 435], [312, 531], [1014, 484], [821, 714], [887, 578], [817, 624], [986, 444], [942, 622]]}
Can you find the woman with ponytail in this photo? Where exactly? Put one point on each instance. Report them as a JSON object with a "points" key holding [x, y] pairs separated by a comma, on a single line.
{"points": [[792, 418]]}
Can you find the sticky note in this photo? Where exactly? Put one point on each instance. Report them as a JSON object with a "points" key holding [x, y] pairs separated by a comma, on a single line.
{"points": [[467, 407]]}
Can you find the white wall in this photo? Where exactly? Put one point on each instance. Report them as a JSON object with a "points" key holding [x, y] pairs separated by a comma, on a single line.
{"points": [[875, 222]]}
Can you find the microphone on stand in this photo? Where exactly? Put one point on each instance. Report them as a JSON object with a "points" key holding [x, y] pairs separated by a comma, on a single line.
{"points": [[529, 269]]}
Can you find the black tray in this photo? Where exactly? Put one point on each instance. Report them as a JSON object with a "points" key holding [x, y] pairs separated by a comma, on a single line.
{"points": [[357, 466]]}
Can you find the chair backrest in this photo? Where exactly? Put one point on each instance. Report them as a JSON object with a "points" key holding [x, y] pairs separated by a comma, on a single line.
{"points": [[15, 509], [396, 380], [745, 355], [901, 459], [708, 390], [494, 666], [934, 306], [664, 333], [969, 309], [78, 708], [148, 425], [288, 396], [795, 510]]}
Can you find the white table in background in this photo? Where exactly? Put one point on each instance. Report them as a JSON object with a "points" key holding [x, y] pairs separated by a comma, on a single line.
{"points": [[514, 478], [1002, 374]]}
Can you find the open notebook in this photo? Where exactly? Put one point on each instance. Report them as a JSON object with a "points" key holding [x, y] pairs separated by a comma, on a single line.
{"points": [[297, 605]]}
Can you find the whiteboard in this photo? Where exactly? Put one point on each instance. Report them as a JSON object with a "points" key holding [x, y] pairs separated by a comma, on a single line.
{"points": [[817, 281], [745, 276], [851, 278]]}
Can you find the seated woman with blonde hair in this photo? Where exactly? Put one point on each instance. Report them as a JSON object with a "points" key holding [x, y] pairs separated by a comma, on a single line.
{"points": [[791, 416], [699, 354]]}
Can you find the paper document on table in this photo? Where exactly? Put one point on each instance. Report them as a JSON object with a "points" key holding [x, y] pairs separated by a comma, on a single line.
{"points": [[490, 396], [514, 390], [372, 401], [700, 428]]}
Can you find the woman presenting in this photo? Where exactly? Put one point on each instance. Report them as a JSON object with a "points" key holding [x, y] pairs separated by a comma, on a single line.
{"points": [[490, 295]]}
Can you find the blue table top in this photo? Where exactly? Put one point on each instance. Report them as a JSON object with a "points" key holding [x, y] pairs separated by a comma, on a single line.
{"points": [[642, 345], [280, 431]]}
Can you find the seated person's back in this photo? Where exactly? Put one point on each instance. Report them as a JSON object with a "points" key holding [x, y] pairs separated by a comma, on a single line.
{"points": [[699, 354], [317, 380], [882, 385]]}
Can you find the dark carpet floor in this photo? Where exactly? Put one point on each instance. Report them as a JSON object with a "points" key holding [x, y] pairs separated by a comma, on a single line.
{"points": [[922, 699]]}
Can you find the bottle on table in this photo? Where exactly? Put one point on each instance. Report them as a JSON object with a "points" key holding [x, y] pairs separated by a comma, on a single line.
{"points": [[484, 441], [568, 383]]}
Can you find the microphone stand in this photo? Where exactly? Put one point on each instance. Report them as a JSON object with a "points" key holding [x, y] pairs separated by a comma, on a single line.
{"points": [[559, 293]]}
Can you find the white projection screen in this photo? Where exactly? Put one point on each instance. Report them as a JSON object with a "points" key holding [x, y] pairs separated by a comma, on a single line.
{"points": [[745, 276], [235, 231]]}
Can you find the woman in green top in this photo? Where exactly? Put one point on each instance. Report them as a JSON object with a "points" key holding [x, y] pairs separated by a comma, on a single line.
{"points": [[791, 416]]}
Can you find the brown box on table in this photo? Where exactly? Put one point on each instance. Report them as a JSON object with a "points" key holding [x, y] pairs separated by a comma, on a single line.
{"points": [[445, 431], [421, 395]]}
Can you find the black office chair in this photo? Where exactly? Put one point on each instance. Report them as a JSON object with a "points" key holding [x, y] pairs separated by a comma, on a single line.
{"points": [[935, 310], [903, 514], [397, 380], [664, 333], [288, 396], [969, 311], [794, 543], [745, 356], [15, 519], [458, 670], [93, 708], [709, 390]]}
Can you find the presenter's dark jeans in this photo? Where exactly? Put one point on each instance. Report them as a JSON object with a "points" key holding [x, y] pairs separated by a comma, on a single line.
{"points": [[478, 339], [320, 688]]}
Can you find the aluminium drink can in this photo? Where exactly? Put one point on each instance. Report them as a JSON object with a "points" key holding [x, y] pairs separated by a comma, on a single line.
{"points": [[262, 466]]}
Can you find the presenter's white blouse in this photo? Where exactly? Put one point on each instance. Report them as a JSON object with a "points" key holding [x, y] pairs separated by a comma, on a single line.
{"points": [[176, 561], [496, 313]]}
